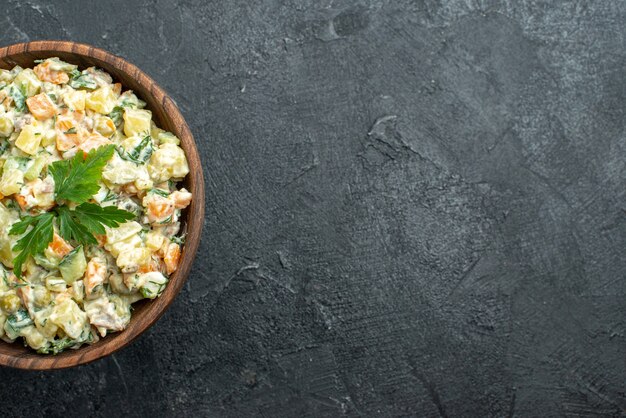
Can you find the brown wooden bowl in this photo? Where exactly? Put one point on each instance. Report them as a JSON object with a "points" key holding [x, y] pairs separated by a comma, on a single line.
{"points": [[167, 116]]}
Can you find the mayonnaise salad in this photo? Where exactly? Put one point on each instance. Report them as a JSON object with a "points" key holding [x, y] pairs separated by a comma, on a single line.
{"points": [[55, 122]]}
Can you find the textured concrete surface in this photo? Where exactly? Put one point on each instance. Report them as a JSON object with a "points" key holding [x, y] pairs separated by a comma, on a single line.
{"points": [[413, 208]]}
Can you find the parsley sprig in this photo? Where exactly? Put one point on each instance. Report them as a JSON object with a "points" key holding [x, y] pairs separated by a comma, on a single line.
{"points": [[76, 180], [35, 241]]}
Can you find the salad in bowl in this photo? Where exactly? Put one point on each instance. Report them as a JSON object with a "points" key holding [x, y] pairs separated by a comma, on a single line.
{"points": [[90, 205]]}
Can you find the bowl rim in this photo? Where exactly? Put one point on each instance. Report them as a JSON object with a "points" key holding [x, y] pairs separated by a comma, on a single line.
{"points": [[194, 218]]}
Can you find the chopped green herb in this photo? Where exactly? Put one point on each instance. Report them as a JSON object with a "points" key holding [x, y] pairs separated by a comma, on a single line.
{"points": [[16, 322], [18, 98], [167, 220], [4, 145], [160, 192], [110, 196], [141, 153], [82, 80], [116, 115], [56, 346], [179, 240]]}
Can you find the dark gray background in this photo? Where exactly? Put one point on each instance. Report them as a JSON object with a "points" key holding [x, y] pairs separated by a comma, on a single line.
{"points": [[413, 208]]}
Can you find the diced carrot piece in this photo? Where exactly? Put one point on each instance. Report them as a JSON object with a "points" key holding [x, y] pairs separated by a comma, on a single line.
{"points": [[59, 246], [160, 209], [21, 200], [145, 268], [78, 115], [117, 88], [44, 73], [67, 134], [93, 141], [41, 106], [181, 198], [64, 124], [155, 264], [95, 275], [172, 257], [65, 142]]}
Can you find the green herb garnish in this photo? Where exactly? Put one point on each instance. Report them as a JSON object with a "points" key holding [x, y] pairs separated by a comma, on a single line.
{"points": [[56, 346], [76, 180], [141, 153], [160, 192], [116, 115], [109, 197], [82, 80], [70, 131], [18, 98], [35, 241], [179, 240]]}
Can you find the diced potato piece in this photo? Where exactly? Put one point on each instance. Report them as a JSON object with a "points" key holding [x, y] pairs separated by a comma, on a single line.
{"points": [[11, 181], [168, 138], [6, 125], [168, 162], [154, 284], [29, 139], [120, 171], [137, 121], [29, 83], [55, 284], [48, 137], [6, 76], [104, 126], [134, 281], [68, 316], [75, 99], [154, 240], [128, 244], [41, 106], [130, 259], [34, 338], [122, 232], [102, 100], [46, 327]]}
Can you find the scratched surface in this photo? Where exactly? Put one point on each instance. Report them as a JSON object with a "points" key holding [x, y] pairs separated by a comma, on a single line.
{"points": [[413, 208]]}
